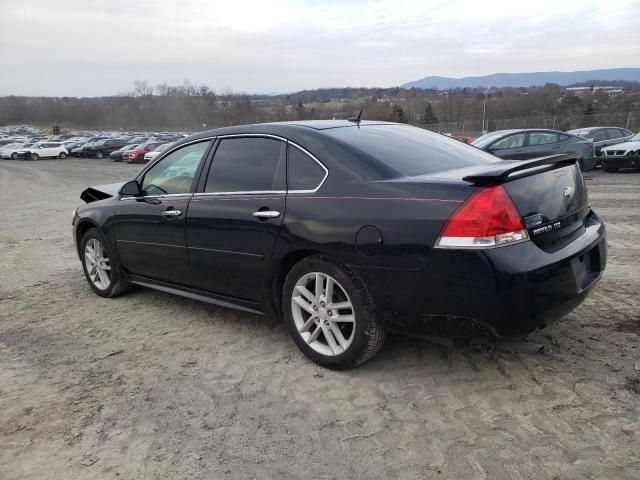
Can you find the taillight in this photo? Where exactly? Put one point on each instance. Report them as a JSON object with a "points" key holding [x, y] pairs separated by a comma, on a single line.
{"points": [[487, 219]]}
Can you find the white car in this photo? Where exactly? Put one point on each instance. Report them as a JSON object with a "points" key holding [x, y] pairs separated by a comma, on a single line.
{"points": [[630, 147], [44, 150], [11, 150], [157, 151]]}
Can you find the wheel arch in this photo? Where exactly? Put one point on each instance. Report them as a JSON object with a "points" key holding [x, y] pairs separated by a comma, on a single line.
{"points": [[279, 274], [84, 225]]}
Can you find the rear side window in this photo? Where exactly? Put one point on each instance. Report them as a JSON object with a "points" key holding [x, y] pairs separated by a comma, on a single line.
{"points": [[247, 164], [598, 135], [542, 138], [303, 172], [613, 133], [409, 150]]}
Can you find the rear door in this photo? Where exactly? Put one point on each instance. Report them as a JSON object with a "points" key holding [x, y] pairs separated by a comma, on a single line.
{"points": [[235, 217], [542, 143], [150, 230]]}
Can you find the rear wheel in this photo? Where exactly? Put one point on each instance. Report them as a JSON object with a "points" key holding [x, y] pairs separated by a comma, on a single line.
{"points": [[99, 154], [14, 156], [330, 315], [100, 268]]}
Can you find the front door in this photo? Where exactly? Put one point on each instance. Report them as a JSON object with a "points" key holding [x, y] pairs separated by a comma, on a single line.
{"points": [[510, 147], [234, 219], [150, 230]]}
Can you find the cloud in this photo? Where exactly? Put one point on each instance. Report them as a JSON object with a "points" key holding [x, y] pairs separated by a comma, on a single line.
{"points": [[88, 47]]}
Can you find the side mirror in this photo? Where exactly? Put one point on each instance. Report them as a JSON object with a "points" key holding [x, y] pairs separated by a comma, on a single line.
{"points": [[131, 188]]}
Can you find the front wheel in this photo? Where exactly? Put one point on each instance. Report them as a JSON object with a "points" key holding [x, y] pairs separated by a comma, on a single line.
{"points": [[100, 268], [99, 154], [14, 156], [62, 155], [34, 156], [330, 315]]}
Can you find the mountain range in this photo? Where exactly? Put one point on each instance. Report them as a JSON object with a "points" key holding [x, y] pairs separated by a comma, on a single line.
{"points": [[531, 79]]}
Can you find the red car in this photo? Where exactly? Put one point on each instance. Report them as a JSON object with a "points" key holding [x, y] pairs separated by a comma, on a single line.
{"points": [[463, 138], [137, 154]]}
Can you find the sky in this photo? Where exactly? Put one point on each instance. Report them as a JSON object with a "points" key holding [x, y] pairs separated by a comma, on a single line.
{"points": [[94, 48]]}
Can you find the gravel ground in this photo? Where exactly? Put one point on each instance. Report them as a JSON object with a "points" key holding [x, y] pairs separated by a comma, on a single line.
{"points": [[154, 386]]}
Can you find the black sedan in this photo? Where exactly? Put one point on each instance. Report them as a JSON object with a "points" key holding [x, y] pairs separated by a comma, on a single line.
{"points": [[526, 144], [350, 231]]}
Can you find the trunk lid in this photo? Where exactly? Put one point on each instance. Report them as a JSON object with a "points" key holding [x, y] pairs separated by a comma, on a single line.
{"points": [[553, 204]]}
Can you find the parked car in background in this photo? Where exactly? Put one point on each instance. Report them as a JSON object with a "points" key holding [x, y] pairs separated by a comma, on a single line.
{"points": [[603, 136], [622, 155], [104, 147], [463, 138], [116, 155], [11, 150], [77, 152], [313, 221], [156, 151], [43, 150], [532, 143], [137, 155]]}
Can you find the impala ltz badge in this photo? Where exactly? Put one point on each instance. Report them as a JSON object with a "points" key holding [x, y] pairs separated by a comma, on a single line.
{"points": [[568, 191]]}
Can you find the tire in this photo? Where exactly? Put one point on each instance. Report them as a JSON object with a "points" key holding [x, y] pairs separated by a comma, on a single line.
{"points": [[141, 158], [34, 156], [118, 283], [62, 155], [14, 156], [99, 154], [361, 333], [611, 169]]}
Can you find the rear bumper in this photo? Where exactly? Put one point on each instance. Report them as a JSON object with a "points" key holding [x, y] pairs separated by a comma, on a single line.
{"points": [[505, 292], [627, 161]]}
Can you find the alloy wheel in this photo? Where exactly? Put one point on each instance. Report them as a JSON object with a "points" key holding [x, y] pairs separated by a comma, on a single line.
{"points": [[97, 263], [323, 314]]}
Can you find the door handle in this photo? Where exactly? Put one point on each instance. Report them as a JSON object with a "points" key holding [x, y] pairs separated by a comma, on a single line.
{"points": [[171, 213], [264, 214]]}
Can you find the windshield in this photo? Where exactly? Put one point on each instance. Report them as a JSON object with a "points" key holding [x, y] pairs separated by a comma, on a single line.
{"points": [[409, 150], [635, 138]]}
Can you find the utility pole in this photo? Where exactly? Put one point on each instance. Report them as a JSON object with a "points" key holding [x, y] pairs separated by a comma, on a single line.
{"points": [[484, 109]]}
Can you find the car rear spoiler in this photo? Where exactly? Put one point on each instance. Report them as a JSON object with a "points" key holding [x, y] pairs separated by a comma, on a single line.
{"points": [[502, 172]]}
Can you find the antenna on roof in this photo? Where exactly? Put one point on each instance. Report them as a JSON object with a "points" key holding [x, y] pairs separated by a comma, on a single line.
{"points": [[356, 119]]}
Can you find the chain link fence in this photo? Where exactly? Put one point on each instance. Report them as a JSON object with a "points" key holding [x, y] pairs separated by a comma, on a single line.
{"points": [[474, 128]]}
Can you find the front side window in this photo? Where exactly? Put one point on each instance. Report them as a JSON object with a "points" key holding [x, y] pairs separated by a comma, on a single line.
{"points": [[247, 164], [303, 172], [542, 138], [174, 173], [512, 141]]}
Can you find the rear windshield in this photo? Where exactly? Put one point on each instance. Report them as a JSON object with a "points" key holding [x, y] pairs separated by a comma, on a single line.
{"points": [[409, 150]]}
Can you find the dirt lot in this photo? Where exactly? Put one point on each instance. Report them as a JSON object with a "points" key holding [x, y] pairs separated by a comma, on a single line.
{"points": [[154, 386]]}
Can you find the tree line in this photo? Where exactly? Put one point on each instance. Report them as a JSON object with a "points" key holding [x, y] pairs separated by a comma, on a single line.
{"points": [[189, 106]]}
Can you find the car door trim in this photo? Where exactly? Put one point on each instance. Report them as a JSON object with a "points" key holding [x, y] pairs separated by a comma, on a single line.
{"points": [[236, 135]]}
